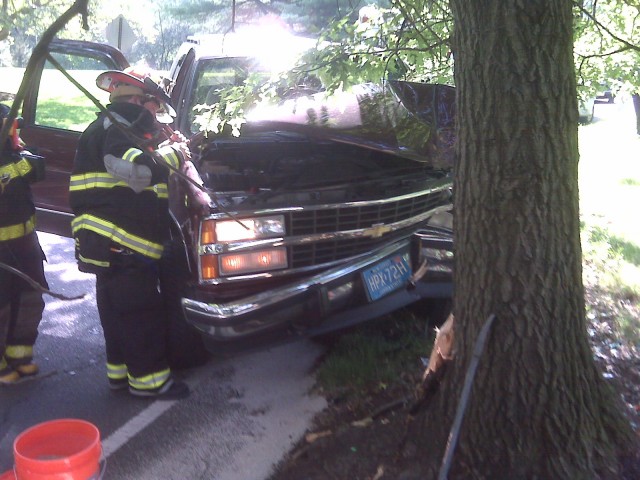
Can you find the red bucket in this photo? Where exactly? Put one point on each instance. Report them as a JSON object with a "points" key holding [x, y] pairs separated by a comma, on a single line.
{"points": [[8, 475], [65, 449]]}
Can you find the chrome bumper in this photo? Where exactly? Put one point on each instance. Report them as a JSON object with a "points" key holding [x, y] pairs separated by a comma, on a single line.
{"points": [[331, 299]]}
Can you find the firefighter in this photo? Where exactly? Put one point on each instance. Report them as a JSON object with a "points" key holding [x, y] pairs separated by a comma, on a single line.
{"points": [[21, 306], [118, 193]]}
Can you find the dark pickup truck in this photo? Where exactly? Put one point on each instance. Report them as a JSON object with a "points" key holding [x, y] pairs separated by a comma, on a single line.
{"points": [[325, 212]]}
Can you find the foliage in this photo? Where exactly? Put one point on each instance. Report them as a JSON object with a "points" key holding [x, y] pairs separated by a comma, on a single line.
{"points": [[158, 29], [19, 25], [405, 41], [400, 37], [229, 111], [607, 45], [306, 17], [411, 40], [357, 42]]}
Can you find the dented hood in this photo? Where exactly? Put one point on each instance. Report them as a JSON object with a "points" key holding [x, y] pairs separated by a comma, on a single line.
{"points": [[411, 120]]}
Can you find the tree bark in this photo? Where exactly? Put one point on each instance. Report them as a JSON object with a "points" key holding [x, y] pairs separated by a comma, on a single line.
{"points": [[539, 407]]}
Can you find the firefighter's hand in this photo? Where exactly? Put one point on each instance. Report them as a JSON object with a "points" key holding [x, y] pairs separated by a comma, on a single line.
{"points": [[177, 137], [183, 148], [180, 143]]}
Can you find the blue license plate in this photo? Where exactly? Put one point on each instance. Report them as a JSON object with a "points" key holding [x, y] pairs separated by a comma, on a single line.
{"points": [[386, 276]]}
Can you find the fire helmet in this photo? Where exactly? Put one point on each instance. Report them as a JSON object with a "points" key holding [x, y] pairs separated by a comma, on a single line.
{"points": [[136, 81]]}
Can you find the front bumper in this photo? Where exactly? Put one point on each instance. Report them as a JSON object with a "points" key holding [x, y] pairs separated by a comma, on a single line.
{"points": [[333, 299]]}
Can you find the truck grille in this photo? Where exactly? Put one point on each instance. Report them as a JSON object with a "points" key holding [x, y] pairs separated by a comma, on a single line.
{"points": [[311, 222], [329, 251], [345, 218]]}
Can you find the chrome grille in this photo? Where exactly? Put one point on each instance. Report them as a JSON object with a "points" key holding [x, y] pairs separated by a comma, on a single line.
{"points": [[344, 218], [324, 252]]}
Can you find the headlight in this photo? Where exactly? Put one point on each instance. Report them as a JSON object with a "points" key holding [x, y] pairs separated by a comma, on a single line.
{"points": [[242, 229], [215, 264]]}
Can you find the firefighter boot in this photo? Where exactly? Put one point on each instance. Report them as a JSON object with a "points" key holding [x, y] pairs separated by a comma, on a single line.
{"points": [[117, 375], [20, 358], [7, 374]]}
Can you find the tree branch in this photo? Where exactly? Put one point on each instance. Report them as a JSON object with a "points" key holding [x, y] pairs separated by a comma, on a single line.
{"points": [[629, 45], [79, 7], [602, 55]]}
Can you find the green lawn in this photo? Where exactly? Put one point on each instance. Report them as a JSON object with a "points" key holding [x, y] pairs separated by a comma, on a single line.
{"points": [[609, 177], [60, 103]]}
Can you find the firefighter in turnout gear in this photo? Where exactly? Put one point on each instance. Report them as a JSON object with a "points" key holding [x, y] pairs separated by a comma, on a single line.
{"points": [[21, 306], [119, 196]]}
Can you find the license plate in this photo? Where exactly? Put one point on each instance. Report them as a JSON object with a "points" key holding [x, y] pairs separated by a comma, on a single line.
{"points": [[386, 276]]}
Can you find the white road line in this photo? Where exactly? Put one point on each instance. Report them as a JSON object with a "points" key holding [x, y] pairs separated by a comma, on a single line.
{"points": [[135, 425], [142, 420]]}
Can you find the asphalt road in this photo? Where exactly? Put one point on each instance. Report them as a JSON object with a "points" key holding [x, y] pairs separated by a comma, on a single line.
{"points": [[243, 415]]}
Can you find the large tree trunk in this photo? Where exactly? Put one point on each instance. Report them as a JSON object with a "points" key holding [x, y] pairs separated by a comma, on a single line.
{"points": [[538, 408]]}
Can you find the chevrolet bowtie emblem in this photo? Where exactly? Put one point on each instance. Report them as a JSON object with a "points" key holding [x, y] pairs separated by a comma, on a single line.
{"points": [[376, 231]]}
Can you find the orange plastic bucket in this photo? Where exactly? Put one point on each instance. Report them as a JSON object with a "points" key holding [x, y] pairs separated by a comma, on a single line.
{"points": [[65, 449]]}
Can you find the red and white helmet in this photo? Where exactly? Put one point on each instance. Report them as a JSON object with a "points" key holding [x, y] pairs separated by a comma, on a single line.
{"points": [[136, 81]]}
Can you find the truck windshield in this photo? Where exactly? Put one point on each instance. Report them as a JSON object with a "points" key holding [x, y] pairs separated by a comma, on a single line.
{"points": [[215, 74]]}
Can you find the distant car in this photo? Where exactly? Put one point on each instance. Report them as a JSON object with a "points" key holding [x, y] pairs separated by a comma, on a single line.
{"points": [[606, 94], [585, 110]]}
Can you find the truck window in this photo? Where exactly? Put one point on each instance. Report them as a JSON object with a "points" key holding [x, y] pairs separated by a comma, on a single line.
{"points": [[215, 74], [60, 103]]}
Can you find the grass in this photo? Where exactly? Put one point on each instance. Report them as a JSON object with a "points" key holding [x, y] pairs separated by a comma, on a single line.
{"points": [[63, 105], [609, 182], [71, 114], [60, 103], [373, 357], [617, 247]]}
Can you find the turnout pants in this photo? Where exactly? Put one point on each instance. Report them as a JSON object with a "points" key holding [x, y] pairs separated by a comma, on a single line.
{"points": [[21, 306], [133, 320]]}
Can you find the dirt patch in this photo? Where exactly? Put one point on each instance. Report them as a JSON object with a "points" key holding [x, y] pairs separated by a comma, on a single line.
{"points": [[365, 438], [347, 443]]}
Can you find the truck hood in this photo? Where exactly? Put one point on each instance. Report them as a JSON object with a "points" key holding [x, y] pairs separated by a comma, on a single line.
{"points": [[371, 143], [406, 119]]}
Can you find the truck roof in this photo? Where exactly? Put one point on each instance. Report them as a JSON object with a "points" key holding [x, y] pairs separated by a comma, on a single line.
{"points": [[254, 42]]}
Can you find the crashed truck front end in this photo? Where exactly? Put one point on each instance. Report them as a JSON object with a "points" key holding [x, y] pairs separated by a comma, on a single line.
{"points": [[325, 215]]}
